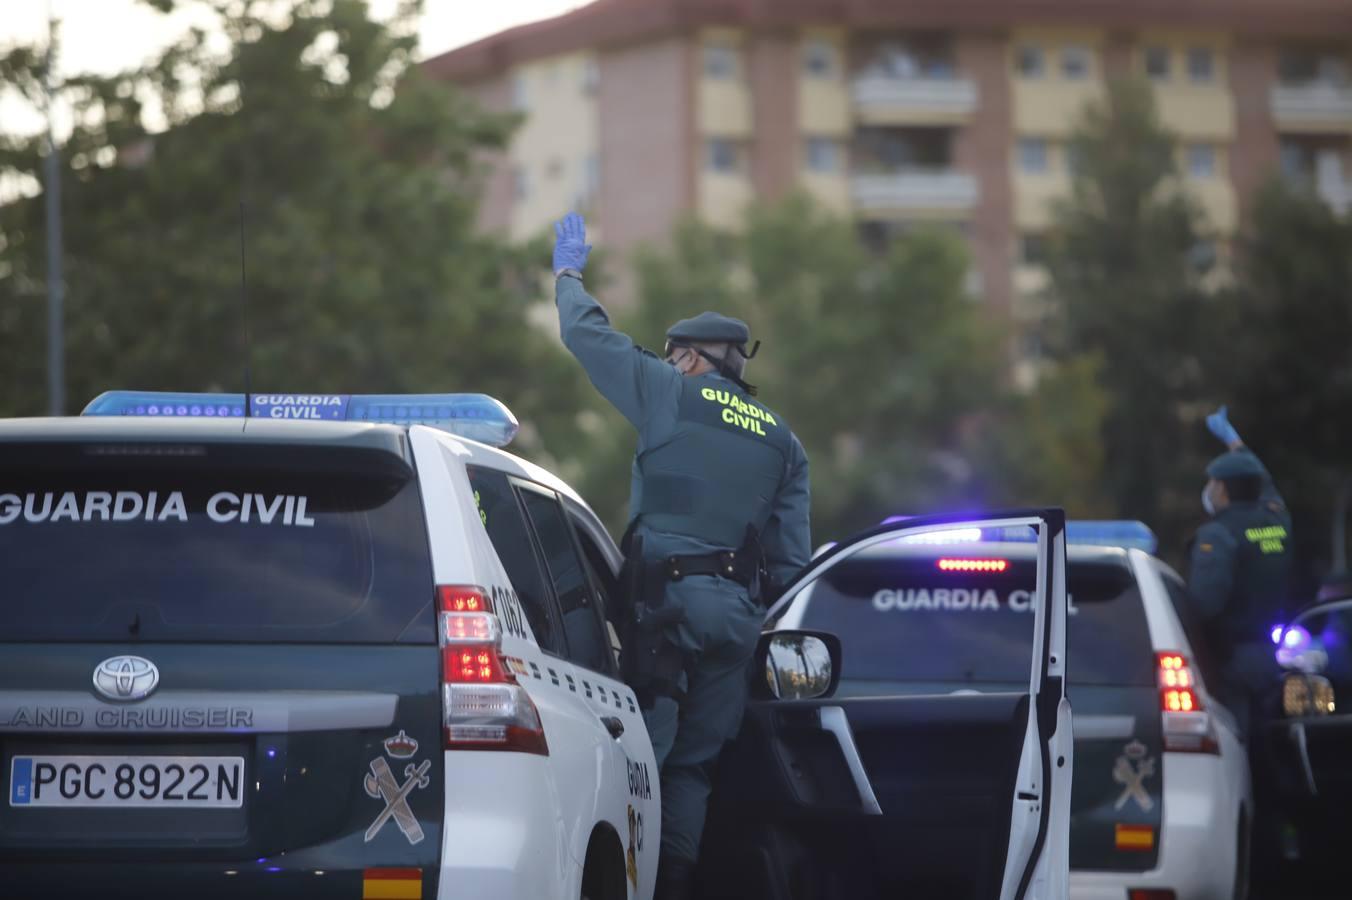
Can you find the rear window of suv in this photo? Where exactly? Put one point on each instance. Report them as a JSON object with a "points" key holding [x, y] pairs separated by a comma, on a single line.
{"points": [[902, 619], [212, 543]]}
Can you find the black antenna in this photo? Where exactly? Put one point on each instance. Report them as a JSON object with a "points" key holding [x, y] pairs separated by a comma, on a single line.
{"points": [[244, 307]]}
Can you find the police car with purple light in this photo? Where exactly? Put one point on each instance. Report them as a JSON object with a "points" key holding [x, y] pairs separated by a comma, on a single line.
{"points": [[1161, 807], [349, 646]]}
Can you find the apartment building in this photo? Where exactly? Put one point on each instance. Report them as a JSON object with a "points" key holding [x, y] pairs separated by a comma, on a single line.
{"points": [[899, 112]]}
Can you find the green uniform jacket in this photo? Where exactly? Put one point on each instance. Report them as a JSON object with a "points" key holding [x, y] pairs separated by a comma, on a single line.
{"points": [[1241, 568], [710, 459]]}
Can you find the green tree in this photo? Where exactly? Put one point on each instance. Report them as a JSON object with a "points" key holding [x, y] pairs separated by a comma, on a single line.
{"points": [[1045, 447], [1128, 286], [357, 177], [1281, 353]]}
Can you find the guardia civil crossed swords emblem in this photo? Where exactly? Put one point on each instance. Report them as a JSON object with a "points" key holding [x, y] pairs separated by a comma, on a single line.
{"points": [[1131, 770], [380, 784]]}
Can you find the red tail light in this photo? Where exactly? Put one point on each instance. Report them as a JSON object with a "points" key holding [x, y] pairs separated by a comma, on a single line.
{"points": [[1151, 894], [483, 707], [1187, 725], [462, 599]]}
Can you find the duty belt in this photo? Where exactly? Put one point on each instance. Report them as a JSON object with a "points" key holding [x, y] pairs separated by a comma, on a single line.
{"points": [[740, 567]]}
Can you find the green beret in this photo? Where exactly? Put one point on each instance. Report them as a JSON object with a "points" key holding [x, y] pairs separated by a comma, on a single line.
{"points": [[1234, 465], [709, 328]]}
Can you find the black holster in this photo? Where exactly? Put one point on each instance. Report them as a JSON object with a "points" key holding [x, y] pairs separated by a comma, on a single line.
{"points": [[649, 662]]}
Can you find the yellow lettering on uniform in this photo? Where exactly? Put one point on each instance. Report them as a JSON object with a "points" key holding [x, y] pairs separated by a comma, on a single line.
{"points": [[769, 418], [728, 416], [756, 427], [722, 397], [707, 393]]}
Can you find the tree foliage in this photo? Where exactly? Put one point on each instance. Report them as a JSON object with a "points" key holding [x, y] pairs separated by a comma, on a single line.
{"points": [[1281, 352], [356, 180], [1129, 287]]}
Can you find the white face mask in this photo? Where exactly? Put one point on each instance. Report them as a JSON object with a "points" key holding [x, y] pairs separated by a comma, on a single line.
{"points": [[1207, 503]]}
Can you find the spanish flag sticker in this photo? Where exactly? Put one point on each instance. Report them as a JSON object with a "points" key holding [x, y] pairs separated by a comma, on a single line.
{"points": [[391, 884], [1135, 837]]}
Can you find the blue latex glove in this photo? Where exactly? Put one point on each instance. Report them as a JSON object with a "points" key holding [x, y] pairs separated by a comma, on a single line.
{"points": [[1219, 424], [570, 244]]}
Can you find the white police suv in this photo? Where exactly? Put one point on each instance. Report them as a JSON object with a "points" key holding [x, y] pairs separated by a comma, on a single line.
{"points": [[345, 646], [1161, 800], [255, 656]]}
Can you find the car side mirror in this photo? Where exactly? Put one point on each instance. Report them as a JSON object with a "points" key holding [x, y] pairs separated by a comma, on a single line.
{"points": [[796, 665]]}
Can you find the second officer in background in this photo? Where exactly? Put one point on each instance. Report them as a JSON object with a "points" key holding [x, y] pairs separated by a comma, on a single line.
{"points": [[1240, 571]]}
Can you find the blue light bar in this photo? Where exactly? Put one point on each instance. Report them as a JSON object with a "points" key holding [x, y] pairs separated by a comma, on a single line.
{"points": [[1126, 534], [477, 417], [1102, 533], [166, 405]]}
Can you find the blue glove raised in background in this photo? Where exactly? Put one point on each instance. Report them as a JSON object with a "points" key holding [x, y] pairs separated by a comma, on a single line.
{"points": [[570, 243], [1219, 424]]}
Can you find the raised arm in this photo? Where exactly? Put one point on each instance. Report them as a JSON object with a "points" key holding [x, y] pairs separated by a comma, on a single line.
{"points": [[631, 378]]}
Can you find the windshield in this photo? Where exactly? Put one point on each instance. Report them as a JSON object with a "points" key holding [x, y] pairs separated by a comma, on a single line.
{"points": [[216, 543], [906, 619]]}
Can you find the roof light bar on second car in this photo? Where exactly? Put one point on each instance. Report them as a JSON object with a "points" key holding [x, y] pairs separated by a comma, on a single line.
{"points": [[477, 417], [1126, 534]]}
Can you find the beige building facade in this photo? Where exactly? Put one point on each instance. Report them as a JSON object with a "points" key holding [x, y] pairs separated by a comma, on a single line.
{"points": [[900, 112]]}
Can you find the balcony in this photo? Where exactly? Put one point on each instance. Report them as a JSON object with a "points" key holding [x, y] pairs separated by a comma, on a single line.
{"points": [[939, 193], [1313, 107], [883, 100]]}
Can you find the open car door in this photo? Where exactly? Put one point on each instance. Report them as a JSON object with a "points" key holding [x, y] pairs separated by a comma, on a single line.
{"points": [[957, 794]]}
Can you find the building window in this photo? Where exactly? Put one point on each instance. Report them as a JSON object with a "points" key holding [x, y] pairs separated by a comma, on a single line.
{"points": [[1032, 155], [1202, 256], [1201, 161], [1296, 160], [521, 182], [823, 155], [1201, 65], [519, 96], [1157, 63], [1301, 66], [591, 77], [820, 59], [723, 155], [1033, 250], [720, 61], [1075, 63], [1030, 62]]}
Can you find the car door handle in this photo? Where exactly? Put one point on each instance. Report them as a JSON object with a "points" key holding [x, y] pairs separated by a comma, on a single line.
{"points": [[613, 725]]}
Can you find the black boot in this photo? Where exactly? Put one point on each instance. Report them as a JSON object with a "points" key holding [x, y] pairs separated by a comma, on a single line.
{"points": [[675, 879]]}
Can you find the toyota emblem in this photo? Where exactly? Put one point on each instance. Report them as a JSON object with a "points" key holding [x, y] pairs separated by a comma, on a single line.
{"points": [[126, 678]]}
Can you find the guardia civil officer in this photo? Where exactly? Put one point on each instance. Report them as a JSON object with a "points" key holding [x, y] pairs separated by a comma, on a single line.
{"points": [[1241, 569], [718, 506]]}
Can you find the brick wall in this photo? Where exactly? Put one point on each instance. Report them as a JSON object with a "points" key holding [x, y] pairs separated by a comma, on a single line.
{"points": [[982, 148]]}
